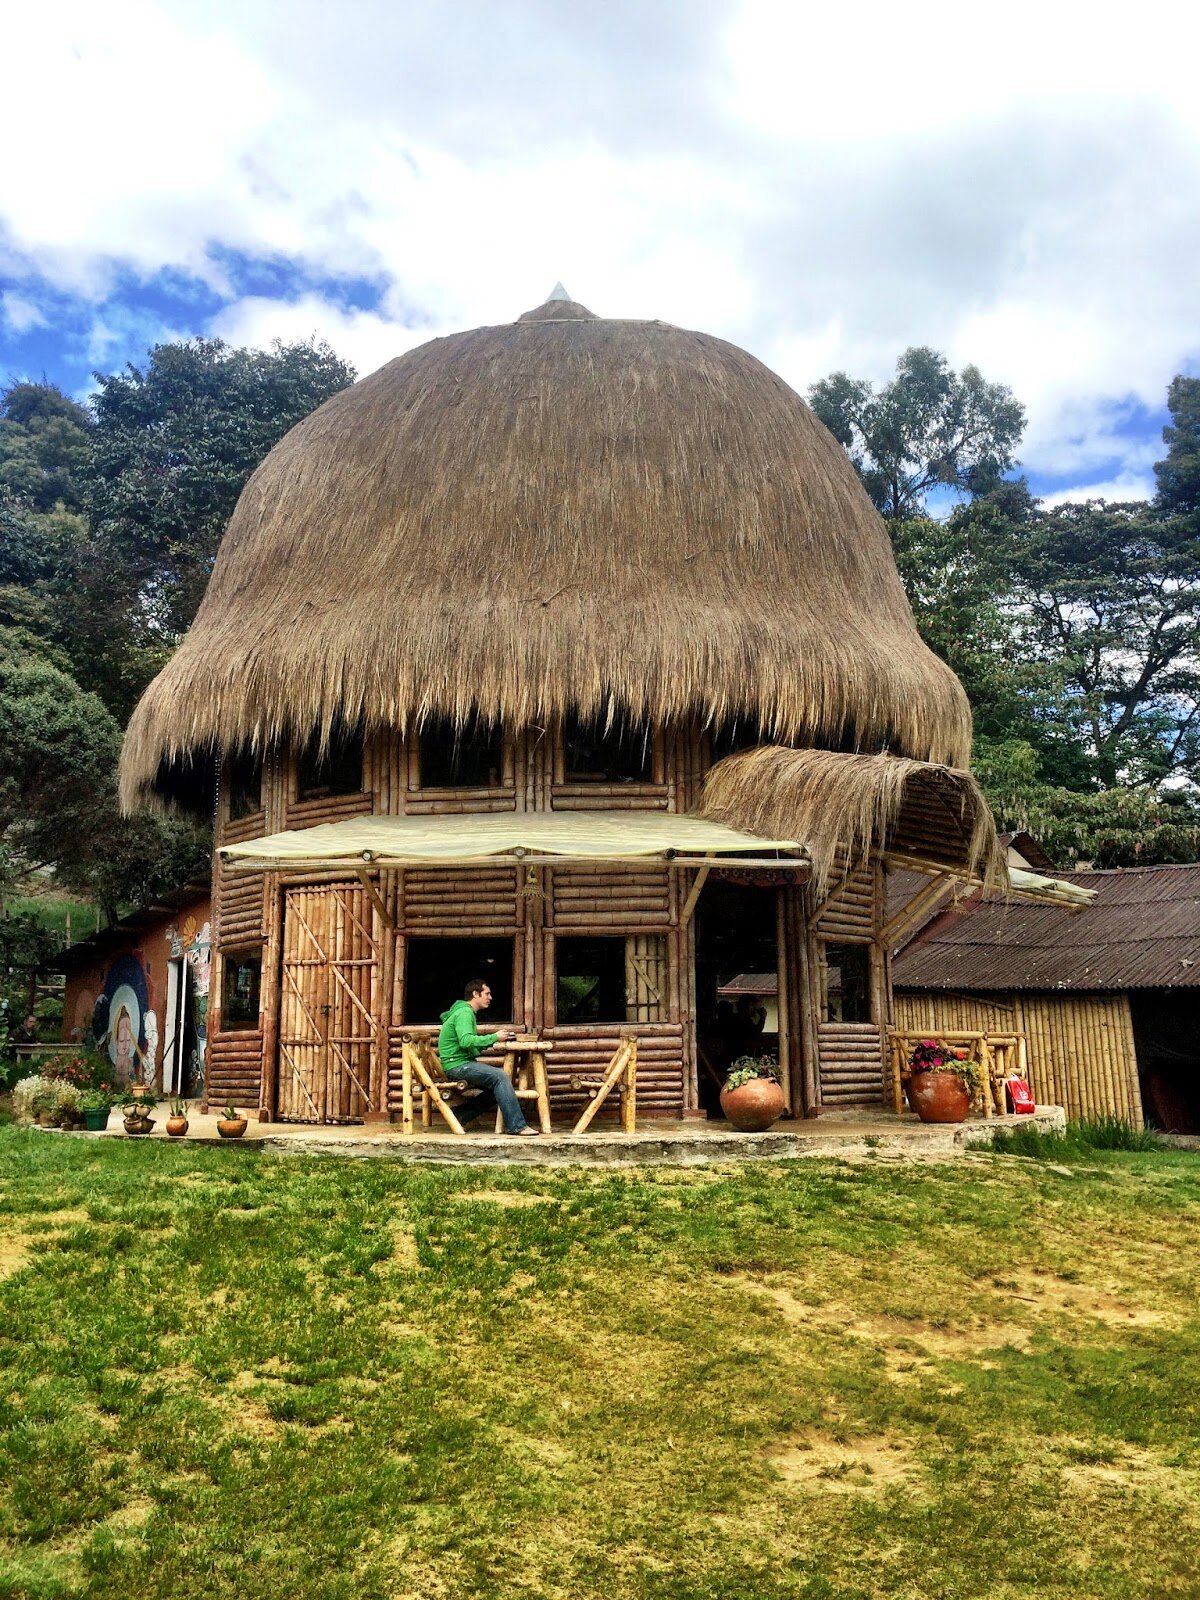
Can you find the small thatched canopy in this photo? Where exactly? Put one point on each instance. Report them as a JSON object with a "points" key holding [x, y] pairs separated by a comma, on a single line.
{"points": [[844, 807], [558, 511]]}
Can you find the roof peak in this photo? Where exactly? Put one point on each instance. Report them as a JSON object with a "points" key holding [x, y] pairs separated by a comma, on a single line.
{"points": [[559, 308]]}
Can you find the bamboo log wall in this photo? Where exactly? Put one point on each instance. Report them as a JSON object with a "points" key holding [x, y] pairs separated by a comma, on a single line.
{"points": [[1081, 1051], [849, 1055]]}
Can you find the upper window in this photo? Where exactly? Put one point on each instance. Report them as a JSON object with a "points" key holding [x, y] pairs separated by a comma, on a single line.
{"points": [[470, 756], [591, 980], [243, 783], [336, 769], [847, 983], [596, 750]]}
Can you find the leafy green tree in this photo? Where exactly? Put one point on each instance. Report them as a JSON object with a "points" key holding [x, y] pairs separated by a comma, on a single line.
{"points": [[172, 447], [1109, 596], [929, 427], [43, 447], [1178, 476]]}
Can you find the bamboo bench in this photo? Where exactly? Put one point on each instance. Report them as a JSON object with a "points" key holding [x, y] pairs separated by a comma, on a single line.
{"points": [[620, 1078], [997, 1055], [422, 1073]]}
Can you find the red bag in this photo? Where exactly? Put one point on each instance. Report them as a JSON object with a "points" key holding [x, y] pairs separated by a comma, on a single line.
{"points": [[1019, 1097]]}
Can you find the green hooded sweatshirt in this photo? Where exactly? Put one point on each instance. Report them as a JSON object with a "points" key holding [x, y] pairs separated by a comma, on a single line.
{"points": [[458, 1042]]}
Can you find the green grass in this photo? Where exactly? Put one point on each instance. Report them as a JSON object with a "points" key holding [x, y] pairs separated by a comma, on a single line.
{"points": [[227, 1373]]}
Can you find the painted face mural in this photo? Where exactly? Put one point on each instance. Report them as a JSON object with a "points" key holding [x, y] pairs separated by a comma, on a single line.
{"points": [[118, 1020]]}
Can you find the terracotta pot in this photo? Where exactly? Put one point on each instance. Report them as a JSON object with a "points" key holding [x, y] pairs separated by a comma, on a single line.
{"points": [[231, 1127], [138, 1124], [177, 1127], [754, 1106], [138, 1090], [939, 1096]]}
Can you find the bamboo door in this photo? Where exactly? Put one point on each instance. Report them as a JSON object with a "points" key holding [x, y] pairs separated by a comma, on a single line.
{"points": [[328, 1030]]}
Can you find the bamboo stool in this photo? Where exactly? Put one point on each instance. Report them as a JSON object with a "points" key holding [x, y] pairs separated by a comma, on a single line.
{"points": [[525, 1064], [419, 1059], [620, 1076]]}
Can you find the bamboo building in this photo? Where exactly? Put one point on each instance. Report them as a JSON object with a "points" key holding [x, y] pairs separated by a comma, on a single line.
{"points": [[569, 653]]}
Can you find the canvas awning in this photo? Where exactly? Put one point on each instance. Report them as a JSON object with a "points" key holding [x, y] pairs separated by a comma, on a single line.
{"points": [[514, 837]]}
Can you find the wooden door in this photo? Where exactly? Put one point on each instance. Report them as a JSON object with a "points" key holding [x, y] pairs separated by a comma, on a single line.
{"points": [[328, 1014]]}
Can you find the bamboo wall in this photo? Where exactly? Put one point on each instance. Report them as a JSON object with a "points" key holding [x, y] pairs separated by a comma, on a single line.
{"points": [[1081, 1050], [825, 1066]]}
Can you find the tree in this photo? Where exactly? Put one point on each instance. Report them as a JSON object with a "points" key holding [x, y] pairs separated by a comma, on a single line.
{"points": [[43, 447], [930, 426], [1178, 476], [171, 449], [1109, 594]]}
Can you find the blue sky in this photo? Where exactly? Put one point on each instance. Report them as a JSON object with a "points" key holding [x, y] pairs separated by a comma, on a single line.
{"points": [[384, 172]]}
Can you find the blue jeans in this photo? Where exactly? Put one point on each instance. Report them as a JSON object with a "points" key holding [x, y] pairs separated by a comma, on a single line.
{"points": [[497, 1091]]}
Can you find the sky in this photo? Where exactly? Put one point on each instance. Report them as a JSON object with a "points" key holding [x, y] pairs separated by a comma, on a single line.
{"points": [[1016, 186]]}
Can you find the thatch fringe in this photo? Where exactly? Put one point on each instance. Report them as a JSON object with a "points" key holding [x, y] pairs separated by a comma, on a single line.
{"points": [[560, 512], [847, 807]]}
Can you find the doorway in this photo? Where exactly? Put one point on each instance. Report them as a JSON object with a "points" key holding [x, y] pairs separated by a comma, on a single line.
{"points": [[328, 1052], [182, 1073], [737, 981]]}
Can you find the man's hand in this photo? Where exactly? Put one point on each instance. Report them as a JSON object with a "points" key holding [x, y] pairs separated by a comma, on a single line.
{"points": [[504, 1035]]}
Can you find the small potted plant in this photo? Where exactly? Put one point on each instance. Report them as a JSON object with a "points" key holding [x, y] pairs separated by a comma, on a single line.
{"points": [[752, 1098], [941, 1083], [137, 1108], [96, 1105], [231, 1124], [177, 1122]]}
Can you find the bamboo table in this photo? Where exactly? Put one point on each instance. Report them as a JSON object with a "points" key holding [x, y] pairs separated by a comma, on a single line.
{"points": [[525, 1064]]}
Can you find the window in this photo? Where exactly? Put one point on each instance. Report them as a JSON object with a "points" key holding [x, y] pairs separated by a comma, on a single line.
{"points": [[337, 769], [598, 751], [240, 989], [847, 983], [437, 971], [243, 783], [591, 980], [470, 756]]}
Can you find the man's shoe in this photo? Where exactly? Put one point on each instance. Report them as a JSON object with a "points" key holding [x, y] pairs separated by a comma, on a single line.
{"points": [[527, 1132]]}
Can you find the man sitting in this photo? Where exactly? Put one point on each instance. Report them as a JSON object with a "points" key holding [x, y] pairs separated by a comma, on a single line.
{"points": [[460, 1043]]}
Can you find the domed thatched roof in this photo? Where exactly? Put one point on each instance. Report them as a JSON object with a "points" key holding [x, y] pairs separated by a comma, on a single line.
{"points": [[526, 517]]}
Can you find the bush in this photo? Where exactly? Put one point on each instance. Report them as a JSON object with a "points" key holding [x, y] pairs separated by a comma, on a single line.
{"points": [[33, 1095], [1080, 1138]]}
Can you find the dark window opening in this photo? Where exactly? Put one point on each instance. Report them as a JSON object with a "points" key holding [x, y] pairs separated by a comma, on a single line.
{"points": [[240, 989], [437, 970], [591, 980], [739, 733], [466, 756], [243, 783], [847, 983], [336, 769], [596, 750]]}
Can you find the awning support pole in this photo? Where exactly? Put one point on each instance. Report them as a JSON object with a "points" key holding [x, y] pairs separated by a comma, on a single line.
{"points": [[376, 899], [689, 905]]}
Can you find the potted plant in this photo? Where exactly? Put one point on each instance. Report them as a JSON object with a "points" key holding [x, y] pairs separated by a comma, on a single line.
{"points": [[177, 1122], [96, 1105], [231, 1124], [752, 1098], [941, 1083], [137, 1109]]}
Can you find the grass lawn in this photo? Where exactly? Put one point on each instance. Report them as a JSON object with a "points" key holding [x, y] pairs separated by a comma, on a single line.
{"points": [[231, 1373]]}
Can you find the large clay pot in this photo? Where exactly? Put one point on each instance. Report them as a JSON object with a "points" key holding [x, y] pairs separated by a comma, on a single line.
{"points": [[939, 1096], [231, 1127], [177, 1127], [754, 1106], [138, 1124]]}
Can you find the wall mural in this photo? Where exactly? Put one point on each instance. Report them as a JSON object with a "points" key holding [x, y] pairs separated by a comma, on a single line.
{"points": [[122, 1019], [192, 941]]}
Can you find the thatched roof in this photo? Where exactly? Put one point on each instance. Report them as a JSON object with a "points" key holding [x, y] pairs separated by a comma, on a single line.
{"points": [[846, 807], [551, 513]]}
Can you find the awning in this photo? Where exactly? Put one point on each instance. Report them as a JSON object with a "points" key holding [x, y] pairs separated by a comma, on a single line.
{"points": [[516, 837]]}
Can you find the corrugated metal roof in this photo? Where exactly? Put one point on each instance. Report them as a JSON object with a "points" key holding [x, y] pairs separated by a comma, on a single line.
{"points": [[1141, 932]]}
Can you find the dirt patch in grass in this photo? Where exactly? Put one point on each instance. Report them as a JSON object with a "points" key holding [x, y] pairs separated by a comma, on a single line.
{"points": [[1046, 1292], [859, 1466], [1127, 1466], [14, 1253], [507, 1197]]}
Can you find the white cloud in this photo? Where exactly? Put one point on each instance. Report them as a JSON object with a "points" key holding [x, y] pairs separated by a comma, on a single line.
{"points": [[1126, 486], [822, 188], [19, 313]]}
